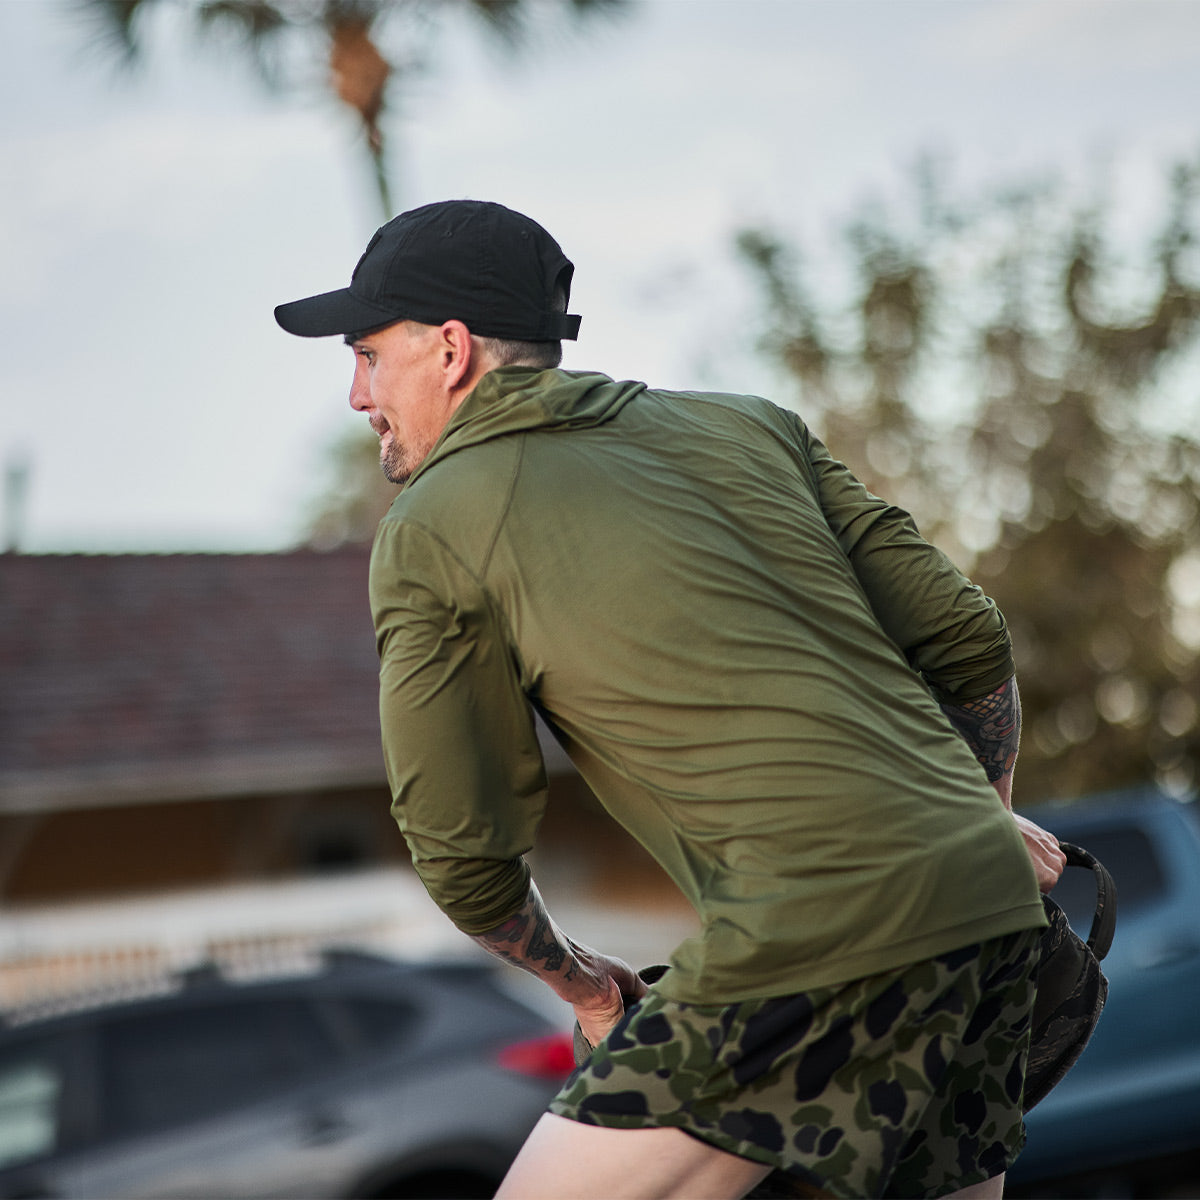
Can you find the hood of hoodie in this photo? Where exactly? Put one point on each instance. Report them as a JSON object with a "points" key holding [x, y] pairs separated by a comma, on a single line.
{"points": [[519, 399]]}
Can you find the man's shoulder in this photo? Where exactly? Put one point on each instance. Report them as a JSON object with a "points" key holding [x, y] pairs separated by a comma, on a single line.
{"points": [[415, 566], [739, 404], [750, 419]]}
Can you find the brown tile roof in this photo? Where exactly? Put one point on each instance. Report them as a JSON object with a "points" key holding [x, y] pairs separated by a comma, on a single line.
{"points": [[149, 677]]}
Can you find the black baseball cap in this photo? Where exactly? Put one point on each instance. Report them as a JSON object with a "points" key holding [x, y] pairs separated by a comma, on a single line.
{"points": [[495, 270]]}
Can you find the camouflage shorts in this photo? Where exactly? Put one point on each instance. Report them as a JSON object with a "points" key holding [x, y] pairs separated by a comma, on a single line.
{"points": [[906, 1083]]}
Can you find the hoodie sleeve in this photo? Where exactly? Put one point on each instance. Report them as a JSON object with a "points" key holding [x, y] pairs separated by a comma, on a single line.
{"points": [[951, 633], [466, 773]]}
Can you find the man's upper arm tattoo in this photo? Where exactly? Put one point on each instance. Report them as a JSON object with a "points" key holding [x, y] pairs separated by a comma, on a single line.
{"points": [[991, 726]]}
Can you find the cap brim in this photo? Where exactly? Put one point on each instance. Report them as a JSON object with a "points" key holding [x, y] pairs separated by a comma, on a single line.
{"points": [[332, 313]]}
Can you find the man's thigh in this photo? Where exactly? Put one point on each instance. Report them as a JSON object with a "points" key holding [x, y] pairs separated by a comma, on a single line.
{"points": [[565, 1160]]}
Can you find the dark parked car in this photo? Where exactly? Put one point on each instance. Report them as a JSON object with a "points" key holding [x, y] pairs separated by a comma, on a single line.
{"points": [[366, 1078], [1126, 1120]]}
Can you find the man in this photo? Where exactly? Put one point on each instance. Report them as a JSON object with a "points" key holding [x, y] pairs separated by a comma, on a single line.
{"points": [[763, 672]]}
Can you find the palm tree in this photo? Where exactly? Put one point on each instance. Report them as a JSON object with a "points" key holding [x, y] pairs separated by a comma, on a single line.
{"points": [[275, 34], [350, 33]]}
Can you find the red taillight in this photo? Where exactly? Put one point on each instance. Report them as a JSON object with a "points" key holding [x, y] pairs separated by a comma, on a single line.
{"points": [[550, 1057]]}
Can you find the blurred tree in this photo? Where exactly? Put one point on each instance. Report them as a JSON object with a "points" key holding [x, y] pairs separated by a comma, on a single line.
{"points": [[1055, 472], [348, 509], [350, 34]]}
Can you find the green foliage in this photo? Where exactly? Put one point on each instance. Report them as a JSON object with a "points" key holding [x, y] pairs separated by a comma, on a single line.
{"points": [[349, 510], [1054, 477]]}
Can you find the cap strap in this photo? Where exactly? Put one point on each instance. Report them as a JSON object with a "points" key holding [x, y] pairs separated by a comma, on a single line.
{"points": [[563, 325]]}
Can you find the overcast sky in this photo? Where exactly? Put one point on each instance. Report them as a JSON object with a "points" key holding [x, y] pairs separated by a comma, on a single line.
{"points": [[149, 223]]}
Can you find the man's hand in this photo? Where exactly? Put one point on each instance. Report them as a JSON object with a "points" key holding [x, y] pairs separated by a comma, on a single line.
{"points": [[597, 1016], [1048, 860]]}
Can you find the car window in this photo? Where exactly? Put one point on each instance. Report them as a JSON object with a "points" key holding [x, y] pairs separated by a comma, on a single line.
{"points": [[373, 1022], [31, 1088], [168, 1067], [1131, 860]]}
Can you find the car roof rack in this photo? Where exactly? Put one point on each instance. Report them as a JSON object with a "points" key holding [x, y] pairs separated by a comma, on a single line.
{"points": [[354, 956], [202, 975]]}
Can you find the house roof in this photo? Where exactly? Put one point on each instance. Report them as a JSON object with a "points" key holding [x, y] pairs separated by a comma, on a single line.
{"points": [[148, 677]]}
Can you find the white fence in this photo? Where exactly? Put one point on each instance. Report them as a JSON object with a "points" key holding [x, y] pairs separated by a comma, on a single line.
{"points": [[50, 955]]}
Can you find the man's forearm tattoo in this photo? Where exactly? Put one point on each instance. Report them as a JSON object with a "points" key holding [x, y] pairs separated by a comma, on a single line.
{"points": [[991, 726], [543, 946], [530, 940]]}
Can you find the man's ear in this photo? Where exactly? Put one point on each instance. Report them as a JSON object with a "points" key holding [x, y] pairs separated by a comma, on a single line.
{"points": [[457, 353]]}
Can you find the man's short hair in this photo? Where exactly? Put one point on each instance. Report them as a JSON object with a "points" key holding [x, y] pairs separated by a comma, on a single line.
{"points": [[508, 353]]}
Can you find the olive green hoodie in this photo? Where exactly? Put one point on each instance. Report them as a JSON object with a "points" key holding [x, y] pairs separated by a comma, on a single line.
{"points": [[741, 649]]}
